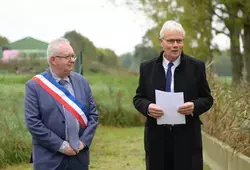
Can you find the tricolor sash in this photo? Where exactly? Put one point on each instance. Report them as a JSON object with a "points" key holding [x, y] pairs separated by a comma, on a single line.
{"points": [[63, 96]]}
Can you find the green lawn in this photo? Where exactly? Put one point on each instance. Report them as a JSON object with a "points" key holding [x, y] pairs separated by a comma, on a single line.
{"points": [[112, 149]]}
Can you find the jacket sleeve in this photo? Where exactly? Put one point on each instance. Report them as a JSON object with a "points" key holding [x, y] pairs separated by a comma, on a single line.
{"points": [[205, 99], [89, 132], [140, 100], [33, 120]]}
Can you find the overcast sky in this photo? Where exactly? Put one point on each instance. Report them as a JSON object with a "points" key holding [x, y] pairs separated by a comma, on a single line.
{"points": [[107, 25]]}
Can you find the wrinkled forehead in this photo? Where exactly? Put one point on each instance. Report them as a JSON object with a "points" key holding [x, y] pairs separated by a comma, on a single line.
{"points": [[65, 49]]}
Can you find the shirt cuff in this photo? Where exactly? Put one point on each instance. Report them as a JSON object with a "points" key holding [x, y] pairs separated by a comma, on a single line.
{"points": [[63, 147]]}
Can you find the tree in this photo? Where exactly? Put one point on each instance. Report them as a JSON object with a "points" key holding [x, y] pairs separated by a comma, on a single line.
{"points": [[143, 53], [107, 57], [81, 44], [246, 37], [227, 13], [196, 16], [189, 13], [126, 60], [3, 40]]}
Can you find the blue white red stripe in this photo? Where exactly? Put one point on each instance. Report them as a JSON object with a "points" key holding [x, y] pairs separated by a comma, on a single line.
{"points": [[63, 96]]}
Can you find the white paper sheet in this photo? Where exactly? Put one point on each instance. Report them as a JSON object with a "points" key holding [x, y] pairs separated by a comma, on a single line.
{"points": [[170, 102]]}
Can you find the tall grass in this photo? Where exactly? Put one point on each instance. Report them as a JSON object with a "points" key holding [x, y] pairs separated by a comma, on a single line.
{"points": [[14, 140], [229, 118]]}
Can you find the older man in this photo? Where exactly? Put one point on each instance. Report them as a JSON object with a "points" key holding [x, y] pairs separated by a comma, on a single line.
{"points": [[60, 112], [172, 146]]}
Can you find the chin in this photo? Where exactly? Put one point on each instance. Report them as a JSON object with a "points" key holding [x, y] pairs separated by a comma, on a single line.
{"points": [[175, 56]]}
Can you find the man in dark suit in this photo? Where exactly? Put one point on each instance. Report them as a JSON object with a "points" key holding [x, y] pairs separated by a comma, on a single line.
{"points": [[60, 113], [173, 147]]}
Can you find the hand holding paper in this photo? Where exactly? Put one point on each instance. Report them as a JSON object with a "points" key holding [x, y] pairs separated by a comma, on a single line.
{"points": [[155, 111], [187, 108], [170, 103]]}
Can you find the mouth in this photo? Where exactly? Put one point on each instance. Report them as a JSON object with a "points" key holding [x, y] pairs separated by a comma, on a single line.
{"points": [[175, 51], [70, 65]]}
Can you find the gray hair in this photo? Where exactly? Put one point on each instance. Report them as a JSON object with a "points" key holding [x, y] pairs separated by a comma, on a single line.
{"points": [[171, 25], [53, 47]]}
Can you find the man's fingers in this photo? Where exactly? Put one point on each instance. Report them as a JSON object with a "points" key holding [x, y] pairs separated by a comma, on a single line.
{"points": [[155, 115], [156, 110], [159, 113], [185, 109]]}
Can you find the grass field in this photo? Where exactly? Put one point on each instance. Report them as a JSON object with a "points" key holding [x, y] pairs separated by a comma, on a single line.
{"points": [[113, 149]]}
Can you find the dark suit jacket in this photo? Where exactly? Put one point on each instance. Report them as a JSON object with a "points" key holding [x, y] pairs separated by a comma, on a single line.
{"points": [[190, 78], [46, 123]]}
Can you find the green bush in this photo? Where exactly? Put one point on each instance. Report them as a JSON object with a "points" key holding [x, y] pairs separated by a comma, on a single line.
{"points": [[24, 66]]}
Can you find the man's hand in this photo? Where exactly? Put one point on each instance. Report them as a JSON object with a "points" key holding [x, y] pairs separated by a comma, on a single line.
{"points": [[81, 147], [155, 111], [69, 151], [187, 108]]}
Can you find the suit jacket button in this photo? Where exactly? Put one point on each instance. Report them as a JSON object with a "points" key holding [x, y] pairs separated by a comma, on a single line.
{"points": [[63, 121]]}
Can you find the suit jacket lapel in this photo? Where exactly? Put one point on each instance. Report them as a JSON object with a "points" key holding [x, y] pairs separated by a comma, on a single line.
{"points": [[159, 77], [180, 80], [57, 103]]}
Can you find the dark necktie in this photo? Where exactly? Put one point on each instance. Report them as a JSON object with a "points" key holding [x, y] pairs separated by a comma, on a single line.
{"points": [[71, 124], [169, 77]]}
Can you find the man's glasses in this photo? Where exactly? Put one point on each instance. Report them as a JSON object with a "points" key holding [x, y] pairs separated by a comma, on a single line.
{"points": [[68, 57], [172, 41]]}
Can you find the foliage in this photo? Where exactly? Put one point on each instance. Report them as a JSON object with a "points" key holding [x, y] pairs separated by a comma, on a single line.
{"points": [[107, 57], [126, 60], [81, 44], [144, 53], [202, 20], [222, 64], [24, 66], [3, 40]]}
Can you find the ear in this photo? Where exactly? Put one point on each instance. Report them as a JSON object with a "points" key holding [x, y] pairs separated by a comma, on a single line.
{"points": [[161, 42], [52, 60]]}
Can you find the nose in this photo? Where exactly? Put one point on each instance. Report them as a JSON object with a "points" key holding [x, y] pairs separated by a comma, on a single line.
{"points": [[72, 59], [175, 43]]}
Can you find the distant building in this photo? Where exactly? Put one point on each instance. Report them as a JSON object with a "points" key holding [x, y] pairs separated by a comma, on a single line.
{"points": [[27, 47]]}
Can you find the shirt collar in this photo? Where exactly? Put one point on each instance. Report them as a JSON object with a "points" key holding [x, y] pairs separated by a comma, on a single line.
{"points": [[57, 78]]}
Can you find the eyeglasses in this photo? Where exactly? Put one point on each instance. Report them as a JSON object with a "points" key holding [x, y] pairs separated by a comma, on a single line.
{"points": [[68, 57], [172, 41]]}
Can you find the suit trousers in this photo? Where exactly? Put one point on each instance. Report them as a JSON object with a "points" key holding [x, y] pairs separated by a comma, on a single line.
{"points": [[72, 163]]}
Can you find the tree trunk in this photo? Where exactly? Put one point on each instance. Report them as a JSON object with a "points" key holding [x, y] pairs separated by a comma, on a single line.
{"points": [[246, 41], [236, 56]]}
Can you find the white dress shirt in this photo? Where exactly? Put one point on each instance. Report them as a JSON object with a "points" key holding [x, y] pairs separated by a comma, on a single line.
{"points": [[165, 66]]}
